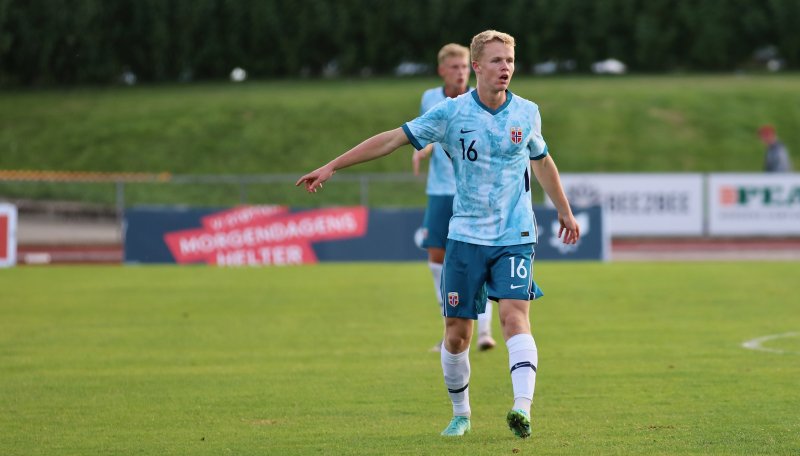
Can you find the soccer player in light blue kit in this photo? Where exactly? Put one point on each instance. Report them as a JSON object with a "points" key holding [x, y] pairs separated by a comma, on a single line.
{"points": [[494, 140], [441, 187]]}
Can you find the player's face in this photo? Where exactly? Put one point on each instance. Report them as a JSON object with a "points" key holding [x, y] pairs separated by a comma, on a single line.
{"points": [[455, 72], [496, 66]]}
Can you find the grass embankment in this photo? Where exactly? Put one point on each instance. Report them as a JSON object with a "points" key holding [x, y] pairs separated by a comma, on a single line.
{"points": [[636, 124]]}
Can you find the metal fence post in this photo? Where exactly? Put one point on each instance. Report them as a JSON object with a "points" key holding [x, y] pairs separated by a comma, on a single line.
{"points": [[120, 203], [364, 180], [242, 192], [120, 200]]}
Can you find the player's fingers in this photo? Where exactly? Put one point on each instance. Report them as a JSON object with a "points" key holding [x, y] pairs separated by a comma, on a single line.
{"points": [[317, 184], [310, 185], [570, 236]]}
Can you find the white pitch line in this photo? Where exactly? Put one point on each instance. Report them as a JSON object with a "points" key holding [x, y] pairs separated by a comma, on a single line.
{"points": [[755, 344]]}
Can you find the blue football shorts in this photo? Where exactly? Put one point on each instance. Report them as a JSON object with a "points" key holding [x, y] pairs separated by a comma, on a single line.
{"points": [[474, 272], [437, 221]]}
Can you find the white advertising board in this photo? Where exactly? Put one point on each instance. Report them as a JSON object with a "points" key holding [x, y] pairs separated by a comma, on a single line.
{"points": [[8, 235], [641, 204], [754, 204]]}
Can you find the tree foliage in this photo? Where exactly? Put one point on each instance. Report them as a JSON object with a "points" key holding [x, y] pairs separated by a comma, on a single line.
{"points": [[45, 42]]}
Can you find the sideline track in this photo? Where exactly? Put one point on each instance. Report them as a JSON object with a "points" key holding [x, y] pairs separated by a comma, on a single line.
{"points": [[46, 239]]}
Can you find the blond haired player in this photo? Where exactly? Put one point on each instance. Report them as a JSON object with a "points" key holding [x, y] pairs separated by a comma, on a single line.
{"points": [[441, 186], [494, 140]]}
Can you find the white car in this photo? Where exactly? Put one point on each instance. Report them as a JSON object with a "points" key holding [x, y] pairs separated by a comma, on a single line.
{"points": [[609, 66]]}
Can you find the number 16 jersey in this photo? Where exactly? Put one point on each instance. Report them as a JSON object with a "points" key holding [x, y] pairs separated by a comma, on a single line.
{"points": [[491, 151]]}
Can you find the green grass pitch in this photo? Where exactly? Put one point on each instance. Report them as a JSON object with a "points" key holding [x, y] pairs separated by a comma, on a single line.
{"points": [[634, 358]]}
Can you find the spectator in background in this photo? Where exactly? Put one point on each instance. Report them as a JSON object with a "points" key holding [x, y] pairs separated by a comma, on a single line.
{"points": [[776, 157]]}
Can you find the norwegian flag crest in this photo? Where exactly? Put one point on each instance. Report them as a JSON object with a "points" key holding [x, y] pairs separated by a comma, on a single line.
{"points": [[516, 135], [452, 298]]}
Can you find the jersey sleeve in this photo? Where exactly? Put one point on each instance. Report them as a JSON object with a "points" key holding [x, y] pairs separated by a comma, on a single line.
{"points": [[429, 127], [536, 146]]}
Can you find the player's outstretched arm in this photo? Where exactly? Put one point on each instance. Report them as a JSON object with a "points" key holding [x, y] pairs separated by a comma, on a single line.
{"points": [[547, 174], [374, 147]]}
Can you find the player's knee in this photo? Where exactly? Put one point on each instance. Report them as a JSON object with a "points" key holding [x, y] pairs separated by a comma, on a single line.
{"points": [[458, 335], [456, 343], [514, 324], [436, 255]]}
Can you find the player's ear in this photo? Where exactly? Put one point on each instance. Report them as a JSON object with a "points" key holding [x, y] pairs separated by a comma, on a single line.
{"points": [[475, 66]]}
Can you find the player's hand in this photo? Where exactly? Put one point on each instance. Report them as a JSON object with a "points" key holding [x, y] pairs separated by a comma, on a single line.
{"points": [[314, 179], [419, 155], [569, 229], [415, 159]]}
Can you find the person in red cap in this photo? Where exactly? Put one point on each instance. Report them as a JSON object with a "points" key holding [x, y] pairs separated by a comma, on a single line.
{"points": [[776, 157]]}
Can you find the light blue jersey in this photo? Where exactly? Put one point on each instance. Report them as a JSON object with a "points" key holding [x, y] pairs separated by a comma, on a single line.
{"points": [[490, 151], [441, 180]]}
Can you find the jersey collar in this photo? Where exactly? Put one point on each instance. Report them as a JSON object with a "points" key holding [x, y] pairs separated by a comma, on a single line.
{"points": [[488, 109]]}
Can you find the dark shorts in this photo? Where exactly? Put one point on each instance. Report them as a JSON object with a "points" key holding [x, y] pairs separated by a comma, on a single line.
{"points": [[473, 272], [437, 220]]}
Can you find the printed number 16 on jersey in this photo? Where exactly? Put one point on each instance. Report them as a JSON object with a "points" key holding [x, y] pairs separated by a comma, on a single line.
{"points": [[468, 153]]}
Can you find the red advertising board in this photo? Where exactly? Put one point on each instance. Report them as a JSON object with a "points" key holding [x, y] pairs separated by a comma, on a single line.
{"points": [[8, 235], [241, 215], [4, 237], [264, 235]]}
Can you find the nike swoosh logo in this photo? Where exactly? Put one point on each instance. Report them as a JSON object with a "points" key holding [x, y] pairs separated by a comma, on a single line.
{"points": [[514, 287], [466, 131]]}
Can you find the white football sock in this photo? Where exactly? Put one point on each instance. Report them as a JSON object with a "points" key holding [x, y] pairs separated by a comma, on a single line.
{"points": [[456, 378], [485, 320], [523, 359], [436, 272]]}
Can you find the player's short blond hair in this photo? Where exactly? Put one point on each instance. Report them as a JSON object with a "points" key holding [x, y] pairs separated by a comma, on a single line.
{"points": [[479, 42], [452, 50]]}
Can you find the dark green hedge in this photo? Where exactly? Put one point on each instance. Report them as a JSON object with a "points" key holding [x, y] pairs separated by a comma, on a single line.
{"points": [[45, 42]]}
